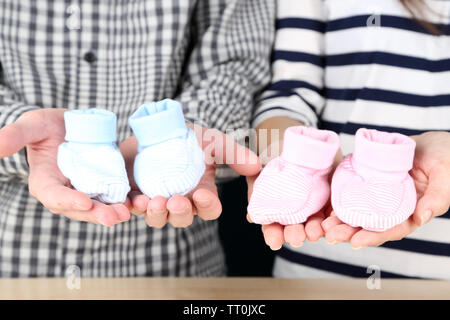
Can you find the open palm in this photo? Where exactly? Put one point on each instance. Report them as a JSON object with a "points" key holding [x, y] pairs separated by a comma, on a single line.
{"points": [[275, 234], [203, 201], [41, 132], [431, 174]]}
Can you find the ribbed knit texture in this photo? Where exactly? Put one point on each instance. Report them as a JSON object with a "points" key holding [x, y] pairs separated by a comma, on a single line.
{"points": [[374, 190], [295, 185], [170, 160], [172, 167], [97, 170], [90, 158]]}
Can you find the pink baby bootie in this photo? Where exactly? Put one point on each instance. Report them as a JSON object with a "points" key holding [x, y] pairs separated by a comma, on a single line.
{"points": [[294, 185], [371, 188]]}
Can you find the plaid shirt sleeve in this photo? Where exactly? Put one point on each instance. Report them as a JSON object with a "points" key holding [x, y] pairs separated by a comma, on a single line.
{"points": [[230, 62], [11, 108]]}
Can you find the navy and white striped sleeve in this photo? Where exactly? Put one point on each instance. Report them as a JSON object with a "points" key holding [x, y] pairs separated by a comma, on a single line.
{"points": [[297, 66]]}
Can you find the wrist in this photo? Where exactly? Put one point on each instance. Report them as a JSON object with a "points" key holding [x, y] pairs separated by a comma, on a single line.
{"points": [[270, 133], [270, 137]]}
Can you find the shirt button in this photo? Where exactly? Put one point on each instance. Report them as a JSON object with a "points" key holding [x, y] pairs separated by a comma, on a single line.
{"points": [[90, 57]]}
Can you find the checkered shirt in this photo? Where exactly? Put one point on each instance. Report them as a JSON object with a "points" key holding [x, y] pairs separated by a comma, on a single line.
{"points": [[212, 55]]}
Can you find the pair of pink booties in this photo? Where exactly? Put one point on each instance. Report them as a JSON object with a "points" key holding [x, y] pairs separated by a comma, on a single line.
{"points": [[371, 188]]}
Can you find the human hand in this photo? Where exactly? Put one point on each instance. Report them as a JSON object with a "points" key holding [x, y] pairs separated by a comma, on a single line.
{"points": [[275, 234], [203, 201], [41, 132], [270, 134], [431, 175]]}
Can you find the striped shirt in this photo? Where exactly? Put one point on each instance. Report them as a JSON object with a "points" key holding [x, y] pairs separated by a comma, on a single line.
{"points": [[345, 64], [212, 55]]}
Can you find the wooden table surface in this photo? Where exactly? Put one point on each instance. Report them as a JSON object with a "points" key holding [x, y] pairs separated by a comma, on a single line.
{"points": [[221, 288]]}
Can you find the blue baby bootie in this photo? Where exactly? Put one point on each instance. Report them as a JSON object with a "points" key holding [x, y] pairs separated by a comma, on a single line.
{"points": [[90, 158], [169, 161]]}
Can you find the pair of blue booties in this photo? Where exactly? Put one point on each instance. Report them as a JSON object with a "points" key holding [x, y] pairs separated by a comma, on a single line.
{"points": [[169, 159]]}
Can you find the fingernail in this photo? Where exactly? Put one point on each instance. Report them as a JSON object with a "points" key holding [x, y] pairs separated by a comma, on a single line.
{"points": [[102, 222], [178, 212], [203, 203], [178, 209], [275, 249], [297, 245], [425, 217], [357, 248], [136, 212], [158, 213], [333, 242]]}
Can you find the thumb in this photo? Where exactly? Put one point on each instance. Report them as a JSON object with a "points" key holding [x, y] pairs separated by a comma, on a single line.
{"points": [[128, 148], [436, 199], [250, 183], [17, 135], [239, 158], [250, 165]]}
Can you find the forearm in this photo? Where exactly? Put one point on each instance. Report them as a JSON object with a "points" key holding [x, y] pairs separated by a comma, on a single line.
{"points": [[229, 63]]}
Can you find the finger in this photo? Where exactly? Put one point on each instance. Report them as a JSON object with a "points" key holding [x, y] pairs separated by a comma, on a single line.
{"points": [[436, 199], [17, 135], [328, 211], [366, 238], [226, 150], [330, 222], [204, 197], [273, 235], [128, 148], [313, 227], [295, 234], [250, 182], [127, 204], [248, 218], [207, 204], [246, 162], [180, 211], [122, 212], [99, 213], [106, 214], [340, 233], [59, 198], [139, 202], [157, 212]]}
